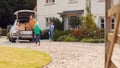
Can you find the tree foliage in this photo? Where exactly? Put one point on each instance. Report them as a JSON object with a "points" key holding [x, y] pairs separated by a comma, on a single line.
{"points": [[8, 7], [88, 21]]}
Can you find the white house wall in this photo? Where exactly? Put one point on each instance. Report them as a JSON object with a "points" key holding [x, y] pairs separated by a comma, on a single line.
{"points": [[98, 10], [44, 10]]}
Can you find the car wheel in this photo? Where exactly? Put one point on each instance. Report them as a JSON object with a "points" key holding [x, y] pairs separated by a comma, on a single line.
{"points": [[10, 39]]}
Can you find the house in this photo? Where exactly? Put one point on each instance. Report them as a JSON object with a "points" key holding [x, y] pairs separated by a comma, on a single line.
{"points": [[65, 9]]}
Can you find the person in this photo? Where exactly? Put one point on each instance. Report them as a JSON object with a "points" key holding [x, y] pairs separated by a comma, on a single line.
{"points": [[17, 31], [32, 22], [51, 30], [37, 32]]}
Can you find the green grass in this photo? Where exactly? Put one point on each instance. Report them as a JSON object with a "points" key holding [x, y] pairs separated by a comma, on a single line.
{"points": [[22, 58]]}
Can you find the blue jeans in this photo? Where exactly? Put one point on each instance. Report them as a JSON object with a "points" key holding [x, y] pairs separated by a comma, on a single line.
{"points": [[37, 38], [50, 34]]}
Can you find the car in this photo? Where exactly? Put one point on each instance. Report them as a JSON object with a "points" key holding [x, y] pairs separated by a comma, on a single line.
{"points": [[22, 16]]}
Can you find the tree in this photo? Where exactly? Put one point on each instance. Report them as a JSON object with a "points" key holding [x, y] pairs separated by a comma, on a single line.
{"points": [[8, 7], [88, 28], [88, 21]]}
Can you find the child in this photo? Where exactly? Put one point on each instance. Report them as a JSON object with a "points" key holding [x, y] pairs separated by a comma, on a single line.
{"points": [[37, 33]]}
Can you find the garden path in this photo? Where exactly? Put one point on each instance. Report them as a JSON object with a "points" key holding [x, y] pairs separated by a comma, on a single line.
{"points": [[70, 54]]}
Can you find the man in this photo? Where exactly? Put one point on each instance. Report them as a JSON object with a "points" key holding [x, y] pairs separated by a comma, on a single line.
{"points": [[18, 31], [32, 23]]}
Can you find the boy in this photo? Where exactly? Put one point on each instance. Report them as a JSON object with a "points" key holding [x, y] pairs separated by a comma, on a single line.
{"points": [[37, 33]]}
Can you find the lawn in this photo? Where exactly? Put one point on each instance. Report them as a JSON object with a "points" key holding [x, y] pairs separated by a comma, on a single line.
{"points": [[22, 58]]}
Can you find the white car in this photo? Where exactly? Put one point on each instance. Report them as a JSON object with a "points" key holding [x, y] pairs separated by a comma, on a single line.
{"points": [[22, 16]]}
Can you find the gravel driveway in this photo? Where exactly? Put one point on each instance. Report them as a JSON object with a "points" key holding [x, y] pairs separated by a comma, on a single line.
{"points": [[69, 54]]}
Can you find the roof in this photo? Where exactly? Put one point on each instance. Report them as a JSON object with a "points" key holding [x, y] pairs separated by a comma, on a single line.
{"points": [[24, 11], [71, 11]]}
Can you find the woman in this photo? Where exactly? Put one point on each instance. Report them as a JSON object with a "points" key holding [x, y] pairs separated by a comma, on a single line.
{"points": [[51, 30]]}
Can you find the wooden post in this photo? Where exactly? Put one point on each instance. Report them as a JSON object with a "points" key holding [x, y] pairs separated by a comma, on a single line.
{"points": [[107, 28], [113, 40]]}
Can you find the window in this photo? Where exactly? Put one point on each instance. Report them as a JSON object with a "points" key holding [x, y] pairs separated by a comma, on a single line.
{"points": [[73, 1], [50, 1], [102, 23], [112, 23], [101, 0], [47, 21], [74, 21]]}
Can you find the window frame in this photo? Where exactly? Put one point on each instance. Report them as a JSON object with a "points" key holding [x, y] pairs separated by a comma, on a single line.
{"points": [[73, 1], [50, 1], [102, 22], [101, 0], [112, 23]]}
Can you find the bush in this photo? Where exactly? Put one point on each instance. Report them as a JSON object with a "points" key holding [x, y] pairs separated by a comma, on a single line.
{"points": [[62, 38], [76, 33], [97, 33], [70, 39], [88, 21], [44, 34], [101, 33], [4, 32], [91, 40], [88, 28], [58, 33], [84, 32]]}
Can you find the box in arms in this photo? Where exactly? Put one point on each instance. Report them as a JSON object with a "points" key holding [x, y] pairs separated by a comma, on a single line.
{"points": [[28, 27]]}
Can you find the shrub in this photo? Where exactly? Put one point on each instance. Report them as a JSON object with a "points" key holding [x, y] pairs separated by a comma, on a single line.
{"points": [[84, 32], [4, 32], [88, 28], [70, 39], [58, 33], [62, 38], [76, 33], [44, 34], [97, 33], [88, 21], [91, 40], [101, 33]]}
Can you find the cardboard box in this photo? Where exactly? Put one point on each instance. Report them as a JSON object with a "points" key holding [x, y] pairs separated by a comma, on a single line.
{"points": [[28, 27]]}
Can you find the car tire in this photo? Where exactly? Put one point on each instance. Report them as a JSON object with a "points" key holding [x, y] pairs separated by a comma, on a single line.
{"points": [[10, 39]]}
